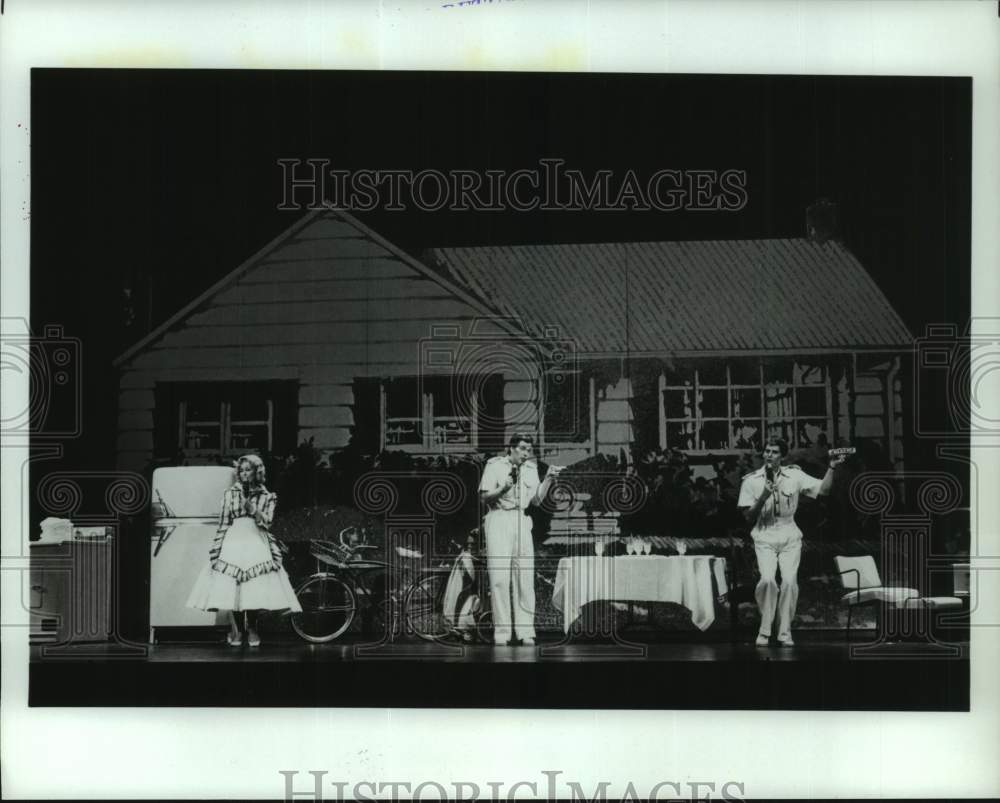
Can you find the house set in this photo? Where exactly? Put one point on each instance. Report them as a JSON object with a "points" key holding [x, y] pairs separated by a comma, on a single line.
{"points": [[333, 333]]}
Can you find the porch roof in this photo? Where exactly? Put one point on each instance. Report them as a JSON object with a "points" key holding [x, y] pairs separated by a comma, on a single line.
{"points": [[673, 297]]}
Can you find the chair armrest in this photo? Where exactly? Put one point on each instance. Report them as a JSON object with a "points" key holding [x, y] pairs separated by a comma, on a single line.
{"points": [[857, 587]]}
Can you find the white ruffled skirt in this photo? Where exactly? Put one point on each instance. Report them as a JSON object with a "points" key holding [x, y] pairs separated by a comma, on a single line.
{"points": [[245, 577]]}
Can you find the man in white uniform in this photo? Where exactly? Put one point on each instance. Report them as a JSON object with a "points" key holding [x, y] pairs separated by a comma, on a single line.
{"points": [[769, 498], [509, 485]]}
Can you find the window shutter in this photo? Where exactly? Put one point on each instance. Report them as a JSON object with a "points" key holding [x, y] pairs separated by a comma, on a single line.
{"points": [[490, 414], [367, 410], [165, 421], [284, 436]]}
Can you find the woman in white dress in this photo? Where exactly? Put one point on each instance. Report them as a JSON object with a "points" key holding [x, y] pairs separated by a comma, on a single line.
{"points": [[245, 571]]}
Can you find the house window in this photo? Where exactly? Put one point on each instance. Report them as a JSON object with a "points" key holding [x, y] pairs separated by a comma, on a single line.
{"points": [[225, 419], [734, 406], [226, 426], [429, 414]]}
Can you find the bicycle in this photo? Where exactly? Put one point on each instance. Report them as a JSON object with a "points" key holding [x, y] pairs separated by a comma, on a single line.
{"points": [[426, 603], [343, 586], [428, 598]]}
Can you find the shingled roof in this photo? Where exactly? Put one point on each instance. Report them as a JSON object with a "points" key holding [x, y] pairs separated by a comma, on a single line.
{"points": [[677, 297]]}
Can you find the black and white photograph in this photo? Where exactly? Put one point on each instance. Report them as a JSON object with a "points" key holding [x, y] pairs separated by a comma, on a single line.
{"points": [[457, 367], [538, 390]]}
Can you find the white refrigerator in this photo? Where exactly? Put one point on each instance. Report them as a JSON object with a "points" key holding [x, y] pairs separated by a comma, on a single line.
{"points": [[186, 504]]}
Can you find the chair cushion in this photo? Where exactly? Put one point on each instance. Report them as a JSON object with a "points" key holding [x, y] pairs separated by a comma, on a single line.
{"points": [[892, 596], [934, 603], [857, 569]]}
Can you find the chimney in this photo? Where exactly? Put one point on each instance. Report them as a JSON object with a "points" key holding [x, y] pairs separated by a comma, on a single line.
{"points": [[821, 221]]}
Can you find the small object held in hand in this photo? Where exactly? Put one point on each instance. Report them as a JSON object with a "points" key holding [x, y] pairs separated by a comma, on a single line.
{"points": [[843, 450]]}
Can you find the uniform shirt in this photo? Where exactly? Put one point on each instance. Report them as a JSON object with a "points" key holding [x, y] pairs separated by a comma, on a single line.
{"points": [[495, 476], [790, 481]]}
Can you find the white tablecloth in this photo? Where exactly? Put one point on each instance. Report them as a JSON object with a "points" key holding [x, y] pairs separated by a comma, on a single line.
{"points": [[686, 580]]}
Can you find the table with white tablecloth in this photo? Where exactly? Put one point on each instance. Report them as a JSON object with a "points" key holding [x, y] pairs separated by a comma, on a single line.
{"points": [[694, 581]]}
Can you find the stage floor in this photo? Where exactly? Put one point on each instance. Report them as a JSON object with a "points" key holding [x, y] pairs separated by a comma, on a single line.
{"points": [[817, 674], [808, 648]]}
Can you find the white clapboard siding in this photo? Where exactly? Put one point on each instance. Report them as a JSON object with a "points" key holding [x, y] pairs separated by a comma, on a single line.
{"points": [[521, 390], [326, 307], [133, 459], [374, 331], [287, 354], [868, 384], [327, 228], [443, 309], [325, 417], [359, 247], [136, 441], [135, 420], [240, 373], [616, 410], [326, 395], [376, 269], [321, 290], [868, 404], [612, 436], [520, 415], [563, 455], [137, 400], [146, 379]]}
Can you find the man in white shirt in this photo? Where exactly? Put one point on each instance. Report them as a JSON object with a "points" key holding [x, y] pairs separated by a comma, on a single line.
{"points": [[768, 499], [509, 485]]}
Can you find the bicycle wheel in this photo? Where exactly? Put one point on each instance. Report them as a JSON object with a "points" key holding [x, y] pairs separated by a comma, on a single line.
{"points": [[423, 608], [484, 626], [328, 608]]}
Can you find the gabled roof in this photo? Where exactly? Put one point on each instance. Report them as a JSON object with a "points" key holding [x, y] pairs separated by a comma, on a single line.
{"points": [[685, 297], [289, 235]]}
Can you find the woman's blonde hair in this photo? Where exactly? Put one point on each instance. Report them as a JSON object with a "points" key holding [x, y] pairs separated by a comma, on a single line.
{"points": [[260, 473]]}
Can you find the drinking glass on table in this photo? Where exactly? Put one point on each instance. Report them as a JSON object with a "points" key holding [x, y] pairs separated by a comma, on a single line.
{"points": [[682, 547]]}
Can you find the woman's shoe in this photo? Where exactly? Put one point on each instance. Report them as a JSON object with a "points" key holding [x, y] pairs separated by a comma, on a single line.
{"points": [[253, 639], [235, 641]]}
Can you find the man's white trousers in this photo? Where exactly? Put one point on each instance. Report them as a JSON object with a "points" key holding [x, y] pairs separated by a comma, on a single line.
{"points": [[510, 560], [778, 546]]}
